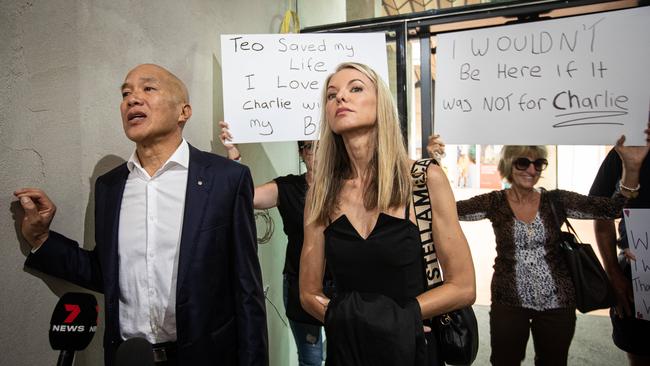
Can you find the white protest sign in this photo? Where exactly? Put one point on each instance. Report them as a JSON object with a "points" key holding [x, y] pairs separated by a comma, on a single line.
{"points": [[273, 83], [637, 225], [580, 80]]}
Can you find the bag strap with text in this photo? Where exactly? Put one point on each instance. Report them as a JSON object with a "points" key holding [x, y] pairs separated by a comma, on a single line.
{"points": [[422, 208]]}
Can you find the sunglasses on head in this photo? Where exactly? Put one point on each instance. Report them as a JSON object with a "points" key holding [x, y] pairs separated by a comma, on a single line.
{"points": [[524, 163]]}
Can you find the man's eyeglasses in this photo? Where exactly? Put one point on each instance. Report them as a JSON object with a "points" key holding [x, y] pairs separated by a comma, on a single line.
{"points": [[307, 146], [524, 163]]}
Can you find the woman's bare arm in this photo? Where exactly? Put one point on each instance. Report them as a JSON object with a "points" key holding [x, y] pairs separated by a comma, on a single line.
{"points": [[312, 266], [454, 256], [266, 196]]}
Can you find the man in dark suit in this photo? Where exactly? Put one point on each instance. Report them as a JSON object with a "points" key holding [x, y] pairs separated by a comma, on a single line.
{"points": [[175, 246]]}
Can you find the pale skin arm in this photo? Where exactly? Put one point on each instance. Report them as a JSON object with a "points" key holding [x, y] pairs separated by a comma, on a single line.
{"points": [[459, 287], [312, 267], [266, 195], [39, 213]]}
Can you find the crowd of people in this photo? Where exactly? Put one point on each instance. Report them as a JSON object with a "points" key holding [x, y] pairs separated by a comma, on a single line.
{"points": [[175, 250]]}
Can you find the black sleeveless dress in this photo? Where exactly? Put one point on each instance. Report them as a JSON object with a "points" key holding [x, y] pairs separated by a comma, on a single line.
{"points": [[374, 318]]}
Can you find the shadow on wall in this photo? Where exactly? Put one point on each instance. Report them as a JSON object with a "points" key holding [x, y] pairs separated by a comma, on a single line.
{"points": [[94, 352], [103, 166]]}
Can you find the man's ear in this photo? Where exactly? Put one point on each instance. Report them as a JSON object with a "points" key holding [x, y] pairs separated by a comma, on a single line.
{"points": [[186, 113]]}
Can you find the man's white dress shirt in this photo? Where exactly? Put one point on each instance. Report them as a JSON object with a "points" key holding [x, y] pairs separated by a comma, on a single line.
{"points": [[151, 220]]}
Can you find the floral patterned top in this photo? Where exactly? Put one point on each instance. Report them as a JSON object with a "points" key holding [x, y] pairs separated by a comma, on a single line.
{"points": [[529, 270]]}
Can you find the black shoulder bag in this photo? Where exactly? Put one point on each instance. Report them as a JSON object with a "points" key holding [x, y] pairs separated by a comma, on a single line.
{"points": [[592, 287], [456, 331]]}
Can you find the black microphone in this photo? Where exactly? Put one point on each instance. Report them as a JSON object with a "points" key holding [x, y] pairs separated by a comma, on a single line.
{"points": [[73, 325], [134, 352]]}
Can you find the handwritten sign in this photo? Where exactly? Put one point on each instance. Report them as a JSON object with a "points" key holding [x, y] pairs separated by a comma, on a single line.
{"points": [[637, 225], [273, 83], [579, 81]]}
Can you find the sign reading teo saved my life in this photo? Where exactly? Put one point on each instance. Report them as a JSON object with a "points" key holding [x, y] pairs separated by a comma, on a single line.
{"points": [[273, 83], [637, 226], [579, 81]]}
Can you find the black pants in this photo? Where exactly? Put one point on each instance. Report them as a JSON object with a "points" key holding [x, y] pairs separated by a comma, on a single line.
{"points": [[552, 334]]}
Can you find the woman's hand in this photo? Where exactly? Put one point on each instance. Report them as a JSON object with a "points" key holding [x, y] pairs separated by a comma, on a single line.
{"points": [[226, 137], [632, 156], [629, 255], [323, 301], [436, 147]]}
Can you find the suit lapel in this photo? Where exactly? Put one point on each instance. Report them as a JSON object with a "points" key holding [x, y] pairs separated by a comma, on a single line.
{"points": [[113, 203], [196, 198]]}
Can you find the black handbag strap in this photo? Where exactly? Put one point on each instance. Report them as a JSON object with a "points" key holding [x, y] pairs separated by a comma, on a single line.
{"points": [[558, 226], [423, 214]]}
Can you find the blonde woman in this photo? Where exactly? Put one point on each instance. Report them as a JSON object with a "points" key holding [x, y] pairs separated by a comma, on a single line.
{"points": [[358, 219]]}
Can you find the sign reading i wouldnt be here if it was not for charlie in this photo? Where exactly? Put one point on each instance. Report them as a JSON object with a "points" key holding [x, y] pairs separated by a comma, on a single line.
{"points": [[579, 80]]}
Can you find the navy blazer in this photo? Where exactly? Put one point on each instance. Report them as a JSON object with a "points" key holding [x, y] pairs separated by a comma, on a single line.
{"points": [[220, 310]]}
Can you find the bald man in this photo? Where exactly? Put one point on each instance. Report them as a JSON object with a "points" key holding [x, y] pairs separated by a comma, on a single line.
{"points": [[175, 247]]}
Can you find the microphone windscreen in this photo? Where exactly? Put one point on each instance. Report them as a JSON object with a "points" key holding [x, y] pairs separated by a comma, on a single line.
{"points": [[74, 321], [134, 352]]}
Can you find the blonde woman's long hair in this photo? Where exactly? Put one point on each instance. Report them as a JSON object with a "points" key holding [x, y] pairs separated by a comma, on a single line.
{"points": [[389, 180]]}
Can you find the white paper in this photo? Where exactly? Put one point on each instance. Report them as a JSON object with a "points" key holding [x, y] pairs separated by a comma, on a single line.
{"points": [[579, 80], [637, 225], [273, 83]]}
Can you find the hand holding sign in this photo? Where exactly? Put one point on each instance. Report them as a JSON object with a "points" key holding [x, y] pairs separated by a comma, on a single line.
{"points": [[226, 139]]}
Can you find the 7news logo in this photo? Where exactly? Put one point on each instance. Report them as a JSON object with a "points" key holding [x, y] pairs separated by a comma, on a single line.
{"points": [[73, 312]]}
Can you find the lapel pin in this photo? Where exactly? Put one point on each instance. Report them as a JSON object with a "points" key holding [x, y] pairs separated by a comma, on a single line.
{"points": [[200, 182]]}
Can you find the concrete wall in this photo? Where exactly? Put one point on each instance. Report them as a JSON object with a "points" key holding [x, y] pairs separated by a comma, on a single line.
{"points": [[319, 12], [62, 65]]}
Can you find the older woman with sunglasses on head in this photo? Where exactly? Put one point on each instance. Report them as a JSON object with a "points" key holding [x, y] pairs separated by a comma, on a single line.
{"points": [[531, 287]]}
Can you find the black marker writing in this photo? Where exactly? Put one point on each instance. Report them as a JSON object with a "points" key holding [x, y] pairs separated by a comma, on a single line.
{"points": [[286, 46], [639, 241], [311, 106], [265, 126], [574, 118], [246, 46], [297, 84], [278, 103], [569, 100], [309, 127], [463, 104], [345, 47], [498, 103], [248, 77]]}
